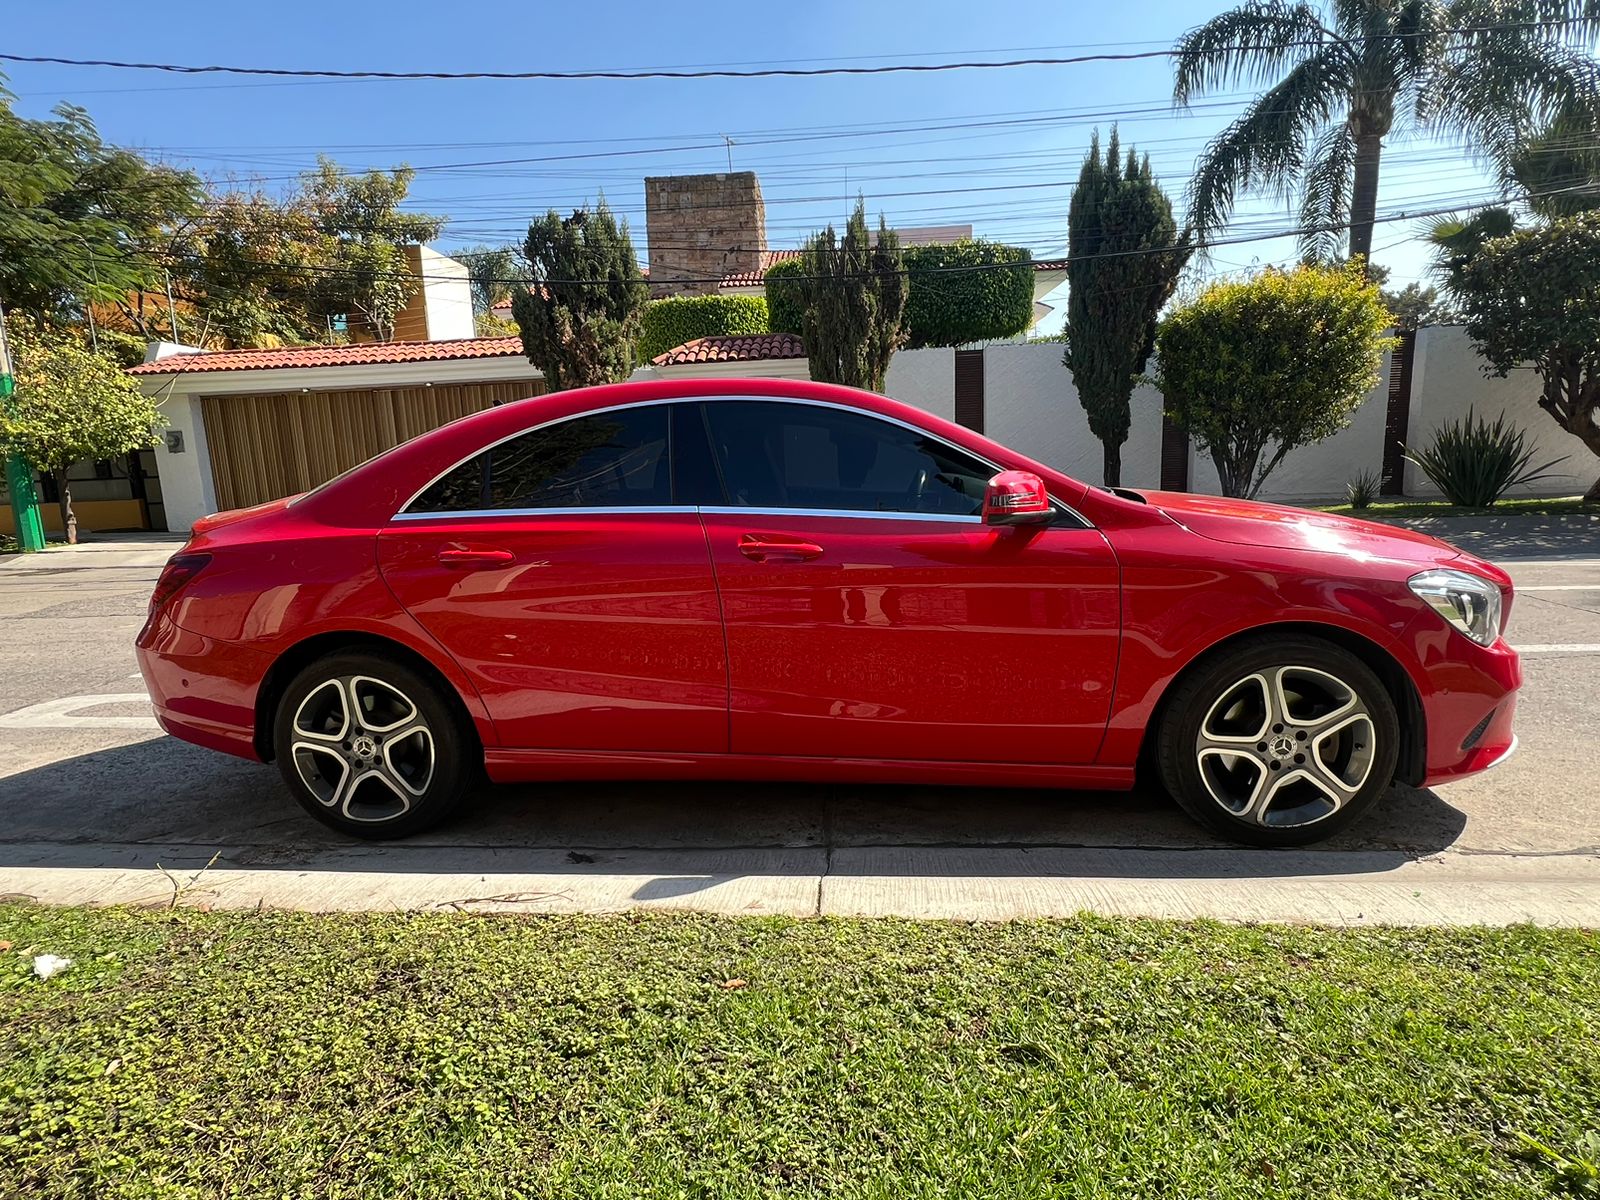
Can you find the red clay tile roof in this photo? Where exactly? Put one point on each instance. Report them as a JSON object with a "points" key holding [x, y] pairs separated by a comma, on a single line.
{"points": [[754, 278], [733, 348], [768, 257], [356, 355]]}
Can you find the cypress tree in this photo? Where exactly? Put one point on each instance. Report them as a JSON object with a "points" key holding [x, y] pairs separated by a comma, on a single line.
{"points": [[581, 312], [1124, 258], [855, 303]]}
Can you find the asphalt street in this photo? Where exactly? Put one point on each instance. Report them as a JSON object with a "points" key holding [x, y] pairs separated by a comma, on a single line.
{"points": [[97, 805]]}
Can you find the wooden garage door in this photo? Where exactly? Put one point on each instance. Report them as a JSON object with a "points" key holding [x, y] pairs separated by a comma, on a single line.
{"points": [[265, 447]]}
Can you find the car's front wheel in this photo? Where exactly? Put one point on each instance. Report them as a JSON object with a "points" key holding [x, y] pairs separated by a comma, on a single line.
{"points": [[1279, 741], [369, 746]]}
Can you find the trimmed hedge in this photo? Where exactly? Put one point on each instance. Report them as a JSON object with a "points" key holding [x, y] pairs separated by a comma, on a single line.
{"points": [[945, 307], [786, 300], [953, 307], [680, 319]]}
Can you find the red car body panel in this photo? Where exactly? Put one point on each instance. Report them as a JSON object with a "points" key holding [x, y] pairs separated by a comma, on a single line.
{"points": [[712, 643]]}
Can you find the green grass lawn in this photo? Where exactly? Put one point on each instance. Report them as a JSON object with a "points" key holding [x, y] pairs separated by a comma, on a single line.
{"points": [[201, 1055], [1525, 506]]}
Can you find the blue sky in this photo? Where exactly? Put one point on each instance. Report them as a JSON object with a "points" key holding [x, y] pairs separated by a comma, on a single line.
{"points": [[814, 142]]}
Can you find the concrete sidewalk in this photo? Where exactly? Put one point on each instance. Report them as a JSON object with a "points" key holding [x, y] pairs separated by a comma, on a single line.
{"points": [[968, 883]]}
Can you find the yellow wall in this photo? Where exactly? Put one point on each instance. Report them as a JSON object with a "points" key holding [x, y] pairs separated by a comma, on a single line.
{"points": [[92, 514]]}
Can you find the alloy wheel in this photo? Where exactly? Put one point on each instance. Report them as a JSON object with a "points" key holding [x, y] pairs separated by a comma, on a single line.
{"points": [[1286, 746], [363, 748]]}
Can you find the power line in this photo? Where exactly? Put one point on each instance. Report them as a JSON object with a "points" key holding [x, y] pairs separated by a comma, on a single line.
{"points": [[769, 72]]}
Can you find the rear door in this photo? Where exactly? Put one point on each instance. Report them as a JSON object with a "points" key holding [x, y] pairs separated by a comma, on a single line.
{"points": [[558, 570], [871, 614]]}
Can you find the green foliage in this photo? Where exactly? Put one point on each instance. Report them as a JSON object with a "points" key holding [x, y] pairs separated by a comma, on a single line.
{"points": [[71, 403], [786, 296], [581, 317], [672, 322], [966, 291], [1414, 306], [1534, 297], [1363, 489], [233, 1054], [493, 272], [1474, 463], [79, 220], [855, 288], [1260, 366], [1481, 73], [1124, 258], [263, 270]]}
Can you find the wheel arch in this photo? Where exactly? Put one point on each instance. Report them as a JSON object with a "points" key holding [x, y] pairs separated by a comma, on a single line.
{"points": [[297, 657], [1410, 767]]}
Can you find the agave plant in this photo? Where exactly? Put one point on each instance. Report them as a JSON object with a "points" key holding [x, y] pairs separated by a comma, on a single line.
{"points": [[1475, 463], [1363, 489]]}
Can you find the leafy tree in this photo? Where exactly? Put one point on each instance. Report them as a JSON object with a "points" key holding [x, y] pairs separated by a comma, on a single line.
{"points": [[494, 273], [71, 404], [78, 218], [1260, 366], [580, 316], [786, 295], [855, 289], [1124, 257], [1350, 72], [1414, 306], [966, 291], [1534, 297]]}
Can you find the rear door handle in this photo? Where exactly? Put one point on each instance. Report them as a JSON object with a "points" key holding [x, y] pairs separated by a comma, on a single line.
{"points": [[475, 556], [760, 547]]}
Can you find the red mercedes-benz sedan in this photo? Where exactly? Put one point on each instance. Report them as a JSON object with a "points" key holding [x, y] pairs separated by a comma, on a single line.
{"points": [[770, 580]]}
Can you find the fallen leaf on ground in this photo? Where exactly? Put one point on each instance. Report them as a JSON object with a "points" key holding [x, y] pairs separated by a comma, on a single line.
{"points": [[729, 985]]}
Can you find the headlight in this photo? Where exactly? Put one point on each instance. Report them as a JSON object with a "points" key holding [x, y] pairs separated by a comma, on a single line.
{"points": [[1468, 602]]}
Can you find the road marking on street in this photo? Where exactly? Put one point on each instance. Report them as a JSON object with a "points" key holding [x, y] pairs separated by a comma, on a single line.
{"points": [[1561, 587], [67, 713], [1561, 648]]}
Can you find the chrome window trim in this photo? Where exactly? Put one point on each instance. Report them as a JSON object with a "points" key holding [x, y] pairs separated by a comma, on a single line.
{"points": [[576, 510], [403, 515], [870, 514]]}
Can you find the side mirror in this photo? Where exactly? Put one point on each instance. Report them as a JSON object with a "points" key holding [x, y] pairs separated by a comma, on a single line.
{"points": [[1016, 498]]}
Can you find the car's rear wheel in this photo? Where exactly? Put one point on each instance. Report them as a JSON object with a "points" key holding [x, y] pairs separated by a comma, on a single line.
{"points": [[1279, 741], [371, 747]]}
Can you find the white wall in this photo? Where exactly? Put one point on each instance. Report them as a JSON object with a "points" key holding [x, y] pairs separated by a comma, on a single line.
{"points": [[446, 296], [1448, 380], [1031, 405], [1320, 471], [187, 489], [924, 378]]}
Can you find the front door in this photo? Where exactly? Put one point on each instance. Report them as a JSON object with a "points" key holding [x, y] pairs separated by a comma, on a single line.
{"points": [[871, 614], [558, 572]]}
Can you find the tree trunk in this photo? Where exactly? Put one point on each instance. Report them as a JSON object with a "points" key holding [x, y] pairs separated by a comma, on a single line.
{"points": [[64, 504], [1364, 197], [1113, 465]]}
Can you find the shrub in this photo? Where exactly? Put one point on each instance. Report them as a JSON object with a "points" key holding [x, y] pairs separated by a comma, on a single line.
{"points": [[855, 296], [672, 322], [964, 292], [1253, 368], [1475, 463], [1363, 489], [786, 296]]}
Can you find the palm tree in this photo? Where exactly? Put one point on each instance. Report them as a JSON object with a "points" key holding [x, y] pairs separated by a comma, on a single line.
{"points": [[1350, 72]]}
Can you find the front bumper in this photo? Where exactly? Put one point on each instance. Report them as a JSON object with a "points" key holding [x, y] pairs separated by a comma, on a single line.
{"points": [[202, 690], [1470, 705]]}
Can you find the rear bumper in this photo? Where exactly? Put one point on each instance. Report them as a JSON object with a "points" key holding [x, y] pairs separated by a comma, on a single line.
{"points": [[202, 690]]}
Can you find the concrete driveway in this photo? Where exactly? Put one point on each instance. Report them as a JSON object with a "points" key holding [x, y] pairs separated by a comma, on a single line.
{"points": [[97, 806]]}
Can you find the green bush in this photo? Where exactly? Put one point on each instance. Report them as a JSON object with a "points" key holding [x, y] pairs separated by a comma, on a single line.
{"points": [[1474, 463], [951, 306], [1252, 368], [1364, 489], [786, 297], [672, 322]]}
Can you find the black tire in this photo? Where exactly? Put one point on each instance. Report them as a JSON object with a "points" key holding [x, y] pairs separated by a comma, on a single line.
{"points": [[367, 777], [1330, 773]]}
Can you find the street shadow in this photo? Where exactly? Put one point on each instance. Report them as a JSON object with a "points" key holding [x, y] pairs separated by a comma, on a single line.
{"points": [[128, 806], [1514, 536]]}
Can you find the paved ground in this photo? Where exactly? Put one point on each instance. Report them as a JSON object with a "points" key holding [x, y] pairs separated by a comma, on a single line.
{"points": [[97, 805]]}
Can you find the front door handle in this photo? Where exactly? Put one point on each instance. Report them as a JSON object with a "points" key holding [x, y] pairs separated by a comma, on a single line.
{"points": [[760, 547], [475, 556]]}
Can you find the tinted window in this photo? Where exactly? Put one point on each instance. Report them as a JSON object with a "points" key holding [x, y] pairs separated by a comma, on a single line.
{"points": [[777, 455], [606, 460]]}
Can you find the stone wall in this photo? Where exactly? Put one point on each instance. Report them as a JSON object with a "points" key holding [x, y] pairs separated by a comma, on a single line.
{"points": [[702, 227]]}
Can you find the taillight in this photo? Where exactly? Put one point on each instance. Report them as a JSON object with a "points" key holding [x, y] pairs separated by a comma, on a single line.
{"points": [[177, 575]]}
